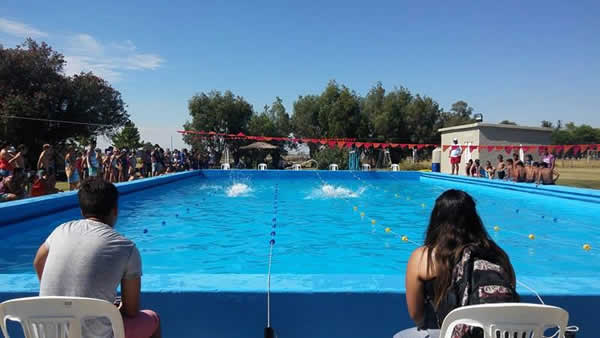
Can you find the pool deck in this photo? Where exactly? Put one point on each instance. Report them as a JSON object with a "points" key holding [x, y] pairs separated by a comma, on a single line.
{"points": [[341, 305]]}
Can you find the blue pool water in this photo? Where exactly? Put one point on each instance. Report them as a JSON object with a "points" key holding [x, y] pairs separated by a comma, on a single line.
{"points": [[220, 223]]}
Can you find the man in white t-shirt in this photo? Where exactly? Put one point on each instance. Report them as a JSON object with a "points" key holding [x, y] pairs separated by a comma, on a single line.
{"points": [[455, 153], [88, 258]]}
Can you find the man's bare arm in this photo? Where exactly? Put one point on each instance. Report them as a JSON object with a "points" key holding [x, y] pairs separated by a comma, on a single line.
{"points": [[40, 260], [130, 296], [41, 159]]}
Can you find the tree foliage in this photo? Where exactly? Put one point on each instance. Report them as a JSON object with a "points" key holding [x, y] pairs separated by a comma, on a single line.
{"points": [[573, 134], [33, 85], [508, 122], [337, 112], [128, 137]]}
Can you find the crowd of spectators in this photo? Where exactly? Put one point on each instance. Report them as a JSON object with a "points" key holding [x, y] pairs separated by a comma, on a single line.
{"points": [[515, 170], [19, 179]]}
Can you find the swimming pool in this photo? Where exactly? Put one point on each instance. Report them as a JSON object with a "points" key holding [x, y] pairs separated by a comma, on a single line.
{"points": [[334, 232]]}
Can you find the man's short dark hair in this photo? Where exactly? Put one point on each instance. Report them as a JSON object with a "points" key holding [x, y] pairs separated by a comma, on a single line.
{"points": [[97, 197], [544, 165]]}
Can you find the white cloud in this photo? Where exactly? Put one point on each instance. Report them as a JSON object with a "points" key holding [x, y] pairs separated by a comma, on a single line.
{"points": [[144, 61], [78, 64], [86, 54], [86, 44], [19, 29]]}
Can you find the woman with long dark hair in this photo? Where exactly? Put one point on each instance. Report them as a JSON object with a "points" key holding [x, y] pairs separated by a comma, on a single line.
{"points": [[454, 225]]}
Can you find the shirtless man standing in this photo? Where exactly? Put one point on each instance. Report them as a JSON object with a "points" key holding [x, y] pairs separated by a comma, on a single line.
{"points": [[500, 167], [19, 159], [546, 175], [46, 162]]}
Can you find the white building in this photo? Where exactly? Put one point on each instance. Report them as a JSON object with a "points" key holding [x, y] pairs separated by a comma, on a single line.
{"points": [[485, 134]]}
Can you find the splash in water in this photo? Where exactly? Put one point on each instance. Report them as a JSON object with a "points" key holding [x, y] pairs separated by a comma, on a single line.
{"points": [[331, 191], [238, 189]]}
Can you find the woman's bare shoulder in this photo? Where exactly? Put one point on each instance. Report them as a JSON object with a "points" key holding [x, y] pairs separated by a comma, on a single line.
{"points": [[420, 258]]}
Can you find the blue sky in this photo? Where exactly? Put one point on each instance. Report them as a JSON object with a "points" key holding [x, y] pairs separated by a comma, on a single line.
{"points": [[524, 61]]}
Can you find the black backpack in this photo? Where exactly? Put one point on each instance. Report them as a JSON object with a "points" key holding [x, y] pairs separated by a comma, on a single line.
{"points": [[476, 280]]}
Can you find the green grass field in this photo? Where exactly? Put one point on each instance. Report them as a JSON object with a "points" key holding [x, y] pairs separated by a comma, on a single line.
{"points": [[580, 177]]}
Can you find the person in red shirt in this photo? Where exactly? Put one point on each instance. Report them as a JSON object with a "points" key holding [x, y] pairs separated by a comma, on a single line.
{"points": [[40, 184]]}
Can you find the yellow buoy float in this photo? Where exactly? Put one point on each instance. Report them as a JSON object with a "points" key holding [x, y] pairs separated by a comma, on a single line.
{"points": [[373, 221], [496, 228], [531, 236], [362, 214], [587, 247], [388, 229], [404, 239], [355, 208]]}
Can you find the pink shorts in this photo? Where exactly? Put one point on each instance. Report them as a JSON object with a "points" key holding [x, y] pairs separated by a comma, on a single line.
{"points": [[141, 326], [455, 160]]}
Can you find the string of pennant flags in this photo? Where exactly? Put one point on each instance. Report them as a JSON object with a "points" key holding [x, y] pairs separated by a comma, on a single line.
{"points": [[576, 148], [330, 142], [349, 142]]}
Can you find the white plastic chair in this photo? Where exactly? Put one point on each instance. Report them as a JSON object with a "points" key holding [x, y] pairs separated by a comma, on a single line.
{"points": [[262, 166], [59, 317], [366, 167], [225, 166], [333, 167], [395, 167], [515, 319], [296, 166]]}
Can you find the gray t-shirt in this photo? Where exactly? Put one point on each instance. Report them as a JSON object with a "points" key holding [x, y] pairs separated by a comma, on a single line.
{"points": [[88, 259]]}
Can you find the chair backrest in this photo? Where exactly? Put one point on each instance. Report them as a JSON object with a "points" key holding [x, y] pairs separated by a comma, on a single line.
{"points": [[516, 319], [262, 166], [225, 166], [366, 167], [395, 167], [333, 167], [59, 317]]}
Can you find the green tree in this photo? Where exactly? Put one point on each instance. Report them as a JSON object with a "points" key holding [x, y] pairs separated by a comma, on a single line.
{"points": [[339, 112], [460, 113], [221, 113], [128, 137], [262, 125], [508, 122], [305, 120], [33, 85], [280, 118], [462, 109], [423, 113], [547, 124], [387, 112]]}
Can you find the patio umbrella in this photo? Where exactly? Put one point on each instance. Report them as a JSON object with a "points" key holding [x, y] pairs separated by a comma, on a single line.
{"points": [[259, 145], [521, 153]]}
